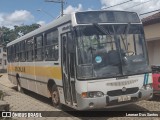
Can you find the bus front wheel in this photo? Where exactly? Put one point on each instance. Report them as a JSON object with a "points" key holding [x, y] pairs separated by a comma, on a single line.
{"points": [[55, 96]]}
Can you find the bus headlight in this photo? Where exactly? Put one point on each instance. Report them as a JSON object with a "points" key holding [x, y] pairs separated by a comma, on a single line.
{"points": [[92, 94], [148, 86], [99, 94], [144, 87]]}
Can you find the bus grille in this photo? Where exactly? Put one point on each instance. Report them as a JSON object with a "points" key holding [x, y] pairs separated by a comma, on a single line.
{"points": [[120, 92], [122, 83]]}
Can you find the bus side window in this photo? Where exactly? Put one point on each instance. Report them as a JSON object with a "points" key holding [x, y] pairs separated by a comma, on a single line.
{"points": [[29, 50], [11, 53], [16, 52], [65, 54], [8, 54], [11, 60], [72, 55], [72, 63], [22, 51], [39, 48], [51, 46]]}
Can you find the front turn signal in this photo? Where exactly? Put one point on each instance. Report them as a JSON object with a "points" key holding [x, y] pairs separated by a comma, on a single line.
{"points": [[84, 94]]}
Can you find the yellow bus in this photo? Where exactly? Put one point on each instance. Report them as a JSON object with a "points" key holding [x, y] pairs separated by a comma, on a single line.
{"points": [[85, 60]]}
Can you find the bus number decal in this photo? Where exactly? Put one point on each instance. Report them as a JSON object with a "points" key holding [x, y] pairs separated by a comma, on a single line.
{"points": [[20, 69]]}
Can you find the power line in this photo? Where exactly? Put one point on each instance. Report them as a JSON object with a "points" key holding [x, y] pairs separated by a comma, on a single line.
{"points": [[118, 4], [41, 10], [58, 1], [149, 12], [138, 4]]}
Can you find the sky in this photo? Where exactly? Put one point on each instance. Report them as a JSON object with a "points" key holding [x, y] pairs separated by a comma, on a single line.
{"points": [[24, 12]]}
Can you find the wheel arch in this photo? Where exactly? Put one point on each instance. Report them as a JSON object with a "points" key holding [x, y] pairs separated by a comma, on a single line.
{"points": [[50, 83]]}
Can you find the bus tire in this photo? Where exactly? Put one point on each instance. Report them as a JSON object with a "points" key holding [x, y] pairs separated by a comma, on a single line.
{"points": [[19, 88], [152, 97], [55, 96]]}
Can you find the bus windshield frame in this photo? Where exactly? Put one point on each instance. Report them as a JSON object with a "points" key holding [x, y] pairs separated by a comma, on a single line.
{"points": [[95, 40]]}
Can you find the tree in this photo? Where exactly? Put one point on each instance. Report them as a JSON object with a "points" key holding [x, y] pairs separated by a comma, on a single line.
{"points": [[5, 33], [8, 35]]}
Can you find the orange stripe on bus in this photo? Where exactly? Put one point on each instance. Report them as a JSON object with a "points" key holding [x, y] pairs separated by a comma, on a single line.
{"points": [[43, 71]]}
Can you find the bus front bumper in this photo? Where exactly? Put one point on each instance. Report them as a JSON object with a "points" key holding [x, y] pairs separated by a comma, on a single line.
{"points": [[109, 102]]}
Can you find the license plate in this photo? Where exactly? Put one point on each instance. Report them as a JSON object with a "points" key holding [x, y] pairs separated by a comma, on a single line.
{"points": [[124, 98]]}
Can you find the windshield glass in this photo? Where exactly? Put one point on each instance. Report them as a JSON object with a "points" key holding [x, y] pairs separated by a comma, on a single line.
{"points": [[110, 51]]}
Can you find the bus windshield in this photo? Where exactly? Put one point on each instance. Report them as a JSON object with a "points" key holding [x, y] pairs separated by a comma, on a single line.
{"points": [[111, 51]]}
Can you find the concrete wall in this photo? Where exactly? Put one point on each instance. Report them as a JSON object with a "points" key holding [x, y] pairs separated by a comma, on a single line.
{"points": [[152, 32], [154, 52]]}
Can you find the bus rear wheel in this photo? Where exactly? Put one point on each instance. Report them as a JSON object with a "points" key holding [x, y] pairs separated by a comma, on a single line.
{"points": [[55, 96]]}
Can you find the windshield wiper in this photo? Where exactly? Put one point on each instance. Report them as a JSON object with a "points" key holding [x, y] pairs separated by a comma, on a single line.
{"points": [[126, 34], [126, 31]]}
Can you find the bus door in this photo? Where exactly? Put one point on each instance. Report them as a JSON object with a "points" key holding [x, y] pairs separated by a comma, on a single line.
{"points": [[68, 62]]}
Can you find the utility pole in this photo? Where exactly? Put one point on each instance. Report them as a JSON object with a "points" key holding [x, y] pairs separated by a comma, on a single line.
{"points": [[58, 1]]}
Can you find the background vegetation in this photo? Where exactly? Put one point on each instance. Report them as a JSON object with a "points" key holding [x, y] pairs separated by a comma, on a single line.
{"points": [[8, 35]]}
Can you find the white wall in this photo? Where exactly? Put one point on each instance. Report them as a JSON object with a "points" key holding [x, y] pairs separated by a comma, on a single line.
{"points": [[3, 58], [154, 52], [152, 32]]}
